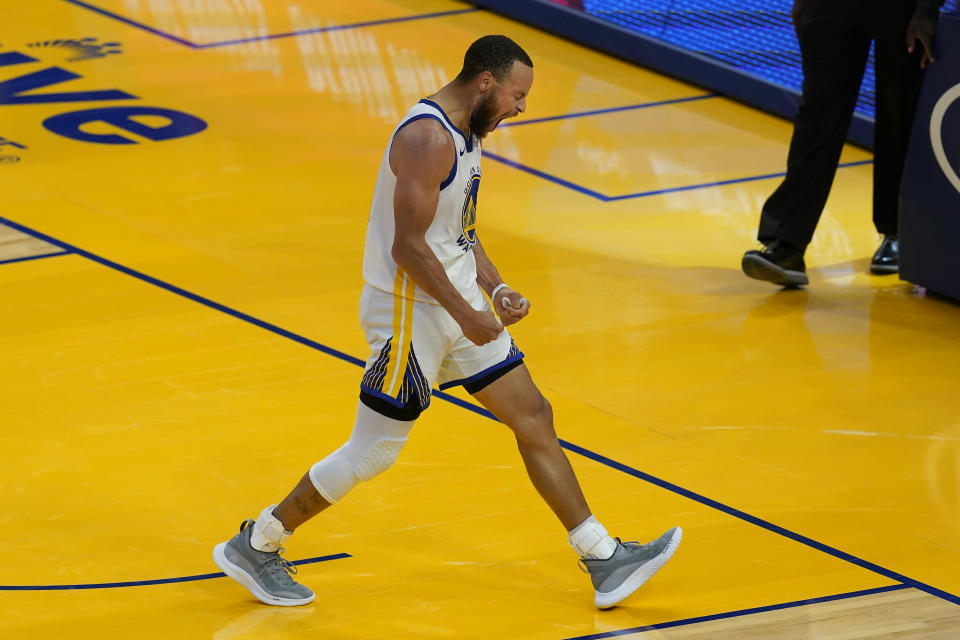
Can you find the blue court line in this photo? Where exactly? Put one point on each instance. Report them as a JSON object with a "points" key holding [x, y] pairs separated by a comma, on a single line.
{"points": [[132, 23], [464, 404], [546, 176], [720, 183], [741, 612], [595, 112], [37, 257], [339, 27], [184, 293], [208, 45], [641, 194], [613, 464], [763, 524], [144, 583]]}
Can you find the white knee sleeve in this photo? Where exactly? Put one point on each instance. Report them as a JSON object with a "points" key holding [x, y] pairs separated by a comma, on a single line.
{"points": [[373, 446]]}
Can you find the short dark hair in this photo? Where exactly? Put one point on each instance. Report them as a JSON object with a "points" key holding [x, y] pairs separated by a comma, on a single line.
{"points": [[495, 54]]}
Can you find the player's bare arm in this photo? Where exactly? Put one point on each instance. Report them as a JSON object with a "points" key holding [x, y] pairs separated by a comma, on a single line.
{"points": [[508, 303], [420, 158]]}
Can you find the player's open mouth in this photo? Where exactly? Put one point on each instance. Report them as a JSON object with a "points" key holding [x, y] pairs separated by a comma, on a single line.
{"points": [[502, 118]]}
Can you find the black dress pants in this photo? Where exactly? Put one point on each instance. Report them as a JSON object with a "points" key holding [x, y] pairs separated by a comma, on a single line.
{"points": [[835, 38]]}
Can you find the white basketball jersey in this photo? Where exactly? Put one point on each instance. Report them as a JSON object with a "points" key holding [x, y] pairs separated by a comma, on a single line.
{"points": [[451, 236]]}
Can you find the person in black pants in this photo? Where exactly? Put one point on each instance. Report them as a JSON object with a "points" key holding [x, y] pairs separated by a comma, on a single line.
{"points": [[835, 38]]}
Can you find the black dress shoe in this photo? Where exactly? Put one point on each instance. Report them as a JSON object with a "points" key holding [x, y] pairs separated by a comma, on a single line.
{"points": [[778, 263], [887, 258]]}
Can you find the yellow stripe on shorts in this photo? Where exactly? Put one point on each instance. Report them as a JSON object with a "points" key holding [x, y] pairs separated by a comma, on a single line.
{"points": [[402, 332]]}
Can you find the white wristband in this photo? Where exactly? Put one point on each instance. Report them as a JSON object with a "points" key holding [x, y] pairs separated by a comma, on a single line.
{"points": [[493, 296]]}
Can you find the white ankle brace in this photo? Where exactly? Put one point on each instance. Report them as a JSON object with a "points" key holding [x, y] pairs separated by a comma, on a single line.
{"points": [[268, 533], [591, 540]]}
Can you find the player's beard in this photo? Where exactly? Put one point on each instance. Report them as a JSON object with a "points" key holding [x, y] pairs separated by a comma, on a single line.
{"points": [[484, 115]]}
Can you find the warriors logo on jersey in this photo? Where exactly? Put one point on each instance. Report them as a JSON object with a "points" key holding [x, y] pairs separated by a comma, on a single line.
{"points": [[468, 218]]}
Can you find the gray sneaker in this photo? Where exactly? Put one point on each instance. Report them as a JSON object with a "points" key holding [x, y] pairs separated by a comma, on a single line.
{"points": [[266, 575], [629, 567]]}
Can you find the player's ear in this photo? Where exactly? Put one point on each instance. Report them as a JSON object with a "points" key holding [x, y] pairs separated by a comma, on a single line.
{"points": [[486, 80]]}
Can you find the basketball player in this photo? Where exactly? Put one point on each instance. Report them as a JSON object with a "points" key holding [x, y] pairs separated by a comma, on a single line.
{"points": [[426, 318]]}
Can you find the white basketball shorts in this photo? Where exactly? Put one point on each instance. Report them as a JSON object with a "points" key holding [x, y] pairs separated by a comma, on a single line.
{"points": [[415, 345]]}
